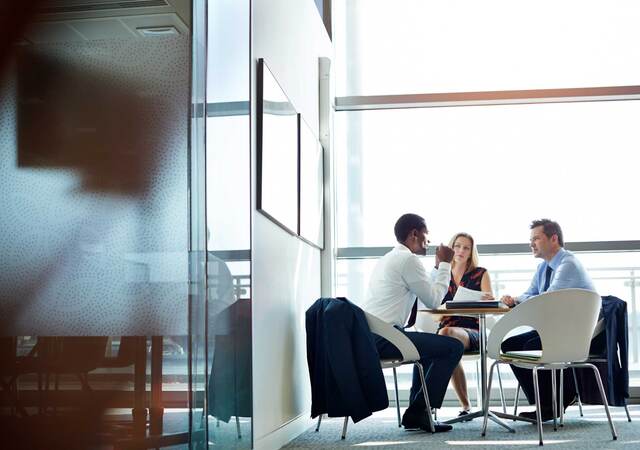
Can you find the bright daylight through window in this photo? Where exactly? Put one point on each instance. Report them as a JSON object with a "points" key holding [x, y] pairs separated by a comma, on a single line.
{"points": [[490, 169]]}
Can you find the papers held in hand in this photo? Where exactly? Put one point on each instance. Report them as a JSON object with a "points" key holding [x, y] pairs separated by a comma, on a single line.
{"points": [[468, 298]]}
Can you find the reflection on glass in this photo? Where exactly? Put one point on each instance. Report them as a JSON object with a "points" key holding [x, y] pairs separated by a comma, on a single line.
{"points": [[277, 152], [94, 287], [311, 186]]}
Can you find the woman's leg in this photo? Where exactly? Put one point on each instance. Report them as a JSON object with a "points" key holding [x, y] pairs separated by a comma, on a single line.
{"points": [[458, 378]]}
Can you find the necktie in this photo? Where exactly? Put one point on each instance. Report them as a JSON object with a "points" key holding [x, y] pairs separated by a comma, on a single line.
{"points": [[547, 279], [414, 313]]}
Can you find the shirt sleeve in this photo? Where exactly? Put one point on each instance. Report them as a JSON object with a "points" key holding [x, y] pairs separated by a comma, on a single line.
{"points": [[533, 289], [430, 290]]}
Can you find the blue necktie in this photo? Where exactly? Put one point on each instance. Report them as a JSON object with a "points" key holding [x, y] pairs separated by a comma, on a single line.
{"points": [[547, 279]]}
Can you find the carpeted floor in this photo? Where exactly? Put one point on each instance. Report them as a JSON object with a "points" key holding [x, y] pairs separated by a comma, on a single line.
{"points": [[381, 431]]}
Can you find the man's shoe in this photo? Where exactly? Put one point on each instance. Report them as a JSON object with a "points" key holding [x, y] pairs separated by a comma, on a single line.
{"points": [[547, 414], [412, 421], [438, 427]]}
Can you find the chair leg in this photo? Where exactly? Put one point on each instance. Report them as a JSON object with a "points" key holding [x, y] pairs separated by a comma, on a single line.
{"points": [[554, 399], [319, 422], [485, 407], [515, 401], [502, 400], [575, 383], [626, 409], [238, 427], [478, 387], [426, 396], [536, 388], [561, 397], [603, 396], [344, 427], [56, 386], [395, 386]]}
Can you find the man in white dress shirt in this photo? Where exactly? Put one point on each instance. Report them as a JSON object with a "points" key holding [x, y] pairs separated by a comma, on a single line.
{"points": [[397, 283]]}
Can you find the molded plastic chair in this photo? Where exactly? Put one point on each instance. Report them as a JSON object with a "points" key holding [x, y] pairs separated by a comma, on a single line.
{"points": [[565, 321], [592, 359], [409, 354]]}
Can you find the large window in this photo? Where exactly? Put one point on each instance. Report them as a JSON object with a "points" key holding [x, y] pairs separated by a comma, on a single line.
{"points": [[489, 170], [419, 46], [416, 130]]}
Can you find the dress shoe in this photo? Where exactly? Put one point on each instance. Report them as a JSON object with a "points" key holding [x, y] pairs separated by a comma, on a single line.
{"points": [[547, 414], [413, 421], [438, 427]]}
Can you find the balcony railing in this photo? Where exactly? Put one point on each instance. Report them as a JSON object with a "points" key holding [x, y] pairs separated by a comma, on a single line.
{"points": [[623, 282]]}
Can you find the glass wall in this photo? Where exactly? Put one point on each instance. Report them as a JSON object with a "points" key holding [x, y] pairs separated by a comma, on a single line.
{"points": [[102, 291], [228, 208]]}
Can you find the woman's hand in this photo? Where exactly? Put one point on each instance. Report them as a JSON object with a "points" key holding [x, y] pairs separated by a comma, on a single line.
{"points": [[487, 296]]}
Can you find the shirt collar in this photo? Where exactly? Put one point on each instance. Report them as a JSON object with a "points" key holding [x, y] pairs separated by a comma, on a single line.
{"points": [[555, 261]]}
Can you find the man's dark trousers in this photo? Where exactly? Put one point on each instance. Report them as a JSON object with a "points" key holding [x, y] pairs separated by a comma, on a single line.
{"points": [[439, 356], [531, 341]]}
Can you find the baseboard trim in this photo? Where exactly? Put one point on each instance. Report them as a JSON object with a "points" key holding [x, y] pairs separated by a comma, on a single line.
{"points": [[284, 434]]}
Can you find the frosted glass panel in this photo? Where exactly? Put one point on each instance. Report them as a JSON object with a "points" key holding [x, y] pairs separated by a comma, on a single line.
{"points": [[420, 46]]}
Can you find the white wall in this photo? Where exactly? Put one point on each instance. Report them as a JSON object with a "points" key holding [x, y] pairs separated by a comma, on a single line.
{"points": [[290, 36]]}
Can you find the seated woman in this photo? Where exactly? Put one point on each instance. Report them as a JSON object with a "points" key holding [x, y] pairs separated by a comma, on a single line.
{"points": [[464, 272]]}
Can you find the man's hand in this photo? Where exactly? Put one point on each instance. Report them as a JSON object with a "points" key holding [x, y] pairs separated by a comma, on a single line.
{"points": [[443, 253], [508, 300]]}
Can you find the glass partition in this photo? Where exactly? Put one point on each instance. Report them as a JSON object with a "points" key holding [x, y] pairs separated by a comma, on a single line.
{"points": [[228, 180], [99, 336]]}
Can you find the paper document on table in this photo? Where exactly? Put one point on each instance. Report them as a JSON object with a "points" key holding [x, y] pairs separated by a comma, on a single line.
{"points": [[467, 295]]}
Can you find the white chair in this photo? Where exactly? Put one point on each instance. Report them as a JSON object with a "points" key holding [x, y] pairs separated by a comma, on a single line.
{"points": [[592, 359], [409, 354], [565, 321]]}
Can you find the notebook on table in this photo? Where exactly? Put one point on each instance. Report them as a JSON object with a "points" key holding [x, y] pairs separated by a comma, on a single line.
{"points": [[473, 304]]}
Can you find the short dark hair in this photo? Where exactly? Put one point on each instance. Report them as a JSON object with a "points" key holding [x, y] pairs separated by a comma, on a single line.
{"points": [[406, 223], [549, 228]]}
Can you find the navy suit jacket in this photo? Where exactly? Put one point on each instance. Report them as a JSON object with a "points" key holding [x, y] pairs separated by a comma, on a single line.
{"points": [[344, 366], [614, 372]]}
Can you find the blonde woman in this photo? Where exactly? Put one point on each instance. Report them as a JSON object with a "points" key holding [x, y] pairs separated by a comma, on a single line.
{"points": [[464, 272]]}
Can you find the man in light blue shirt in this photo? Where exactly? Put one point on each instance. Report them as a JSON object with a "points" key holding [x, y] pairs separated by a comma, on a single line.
{"points": [[565, 271], [560, 269]]}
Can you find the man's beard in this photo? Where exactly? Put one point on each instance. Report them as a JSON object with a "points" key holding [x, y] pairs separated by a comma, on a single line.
{"points": [[422, 251]]}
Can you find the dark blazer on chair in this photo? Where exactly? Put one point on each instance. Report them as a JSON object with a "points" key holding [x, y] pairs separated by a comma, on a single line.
{"points": [[344, 366], [607, 345]]}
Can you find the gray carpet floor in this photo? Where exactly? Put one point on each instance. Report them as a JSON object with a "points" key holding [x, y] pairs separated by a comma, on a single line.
{"points": [[381, 431]]}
